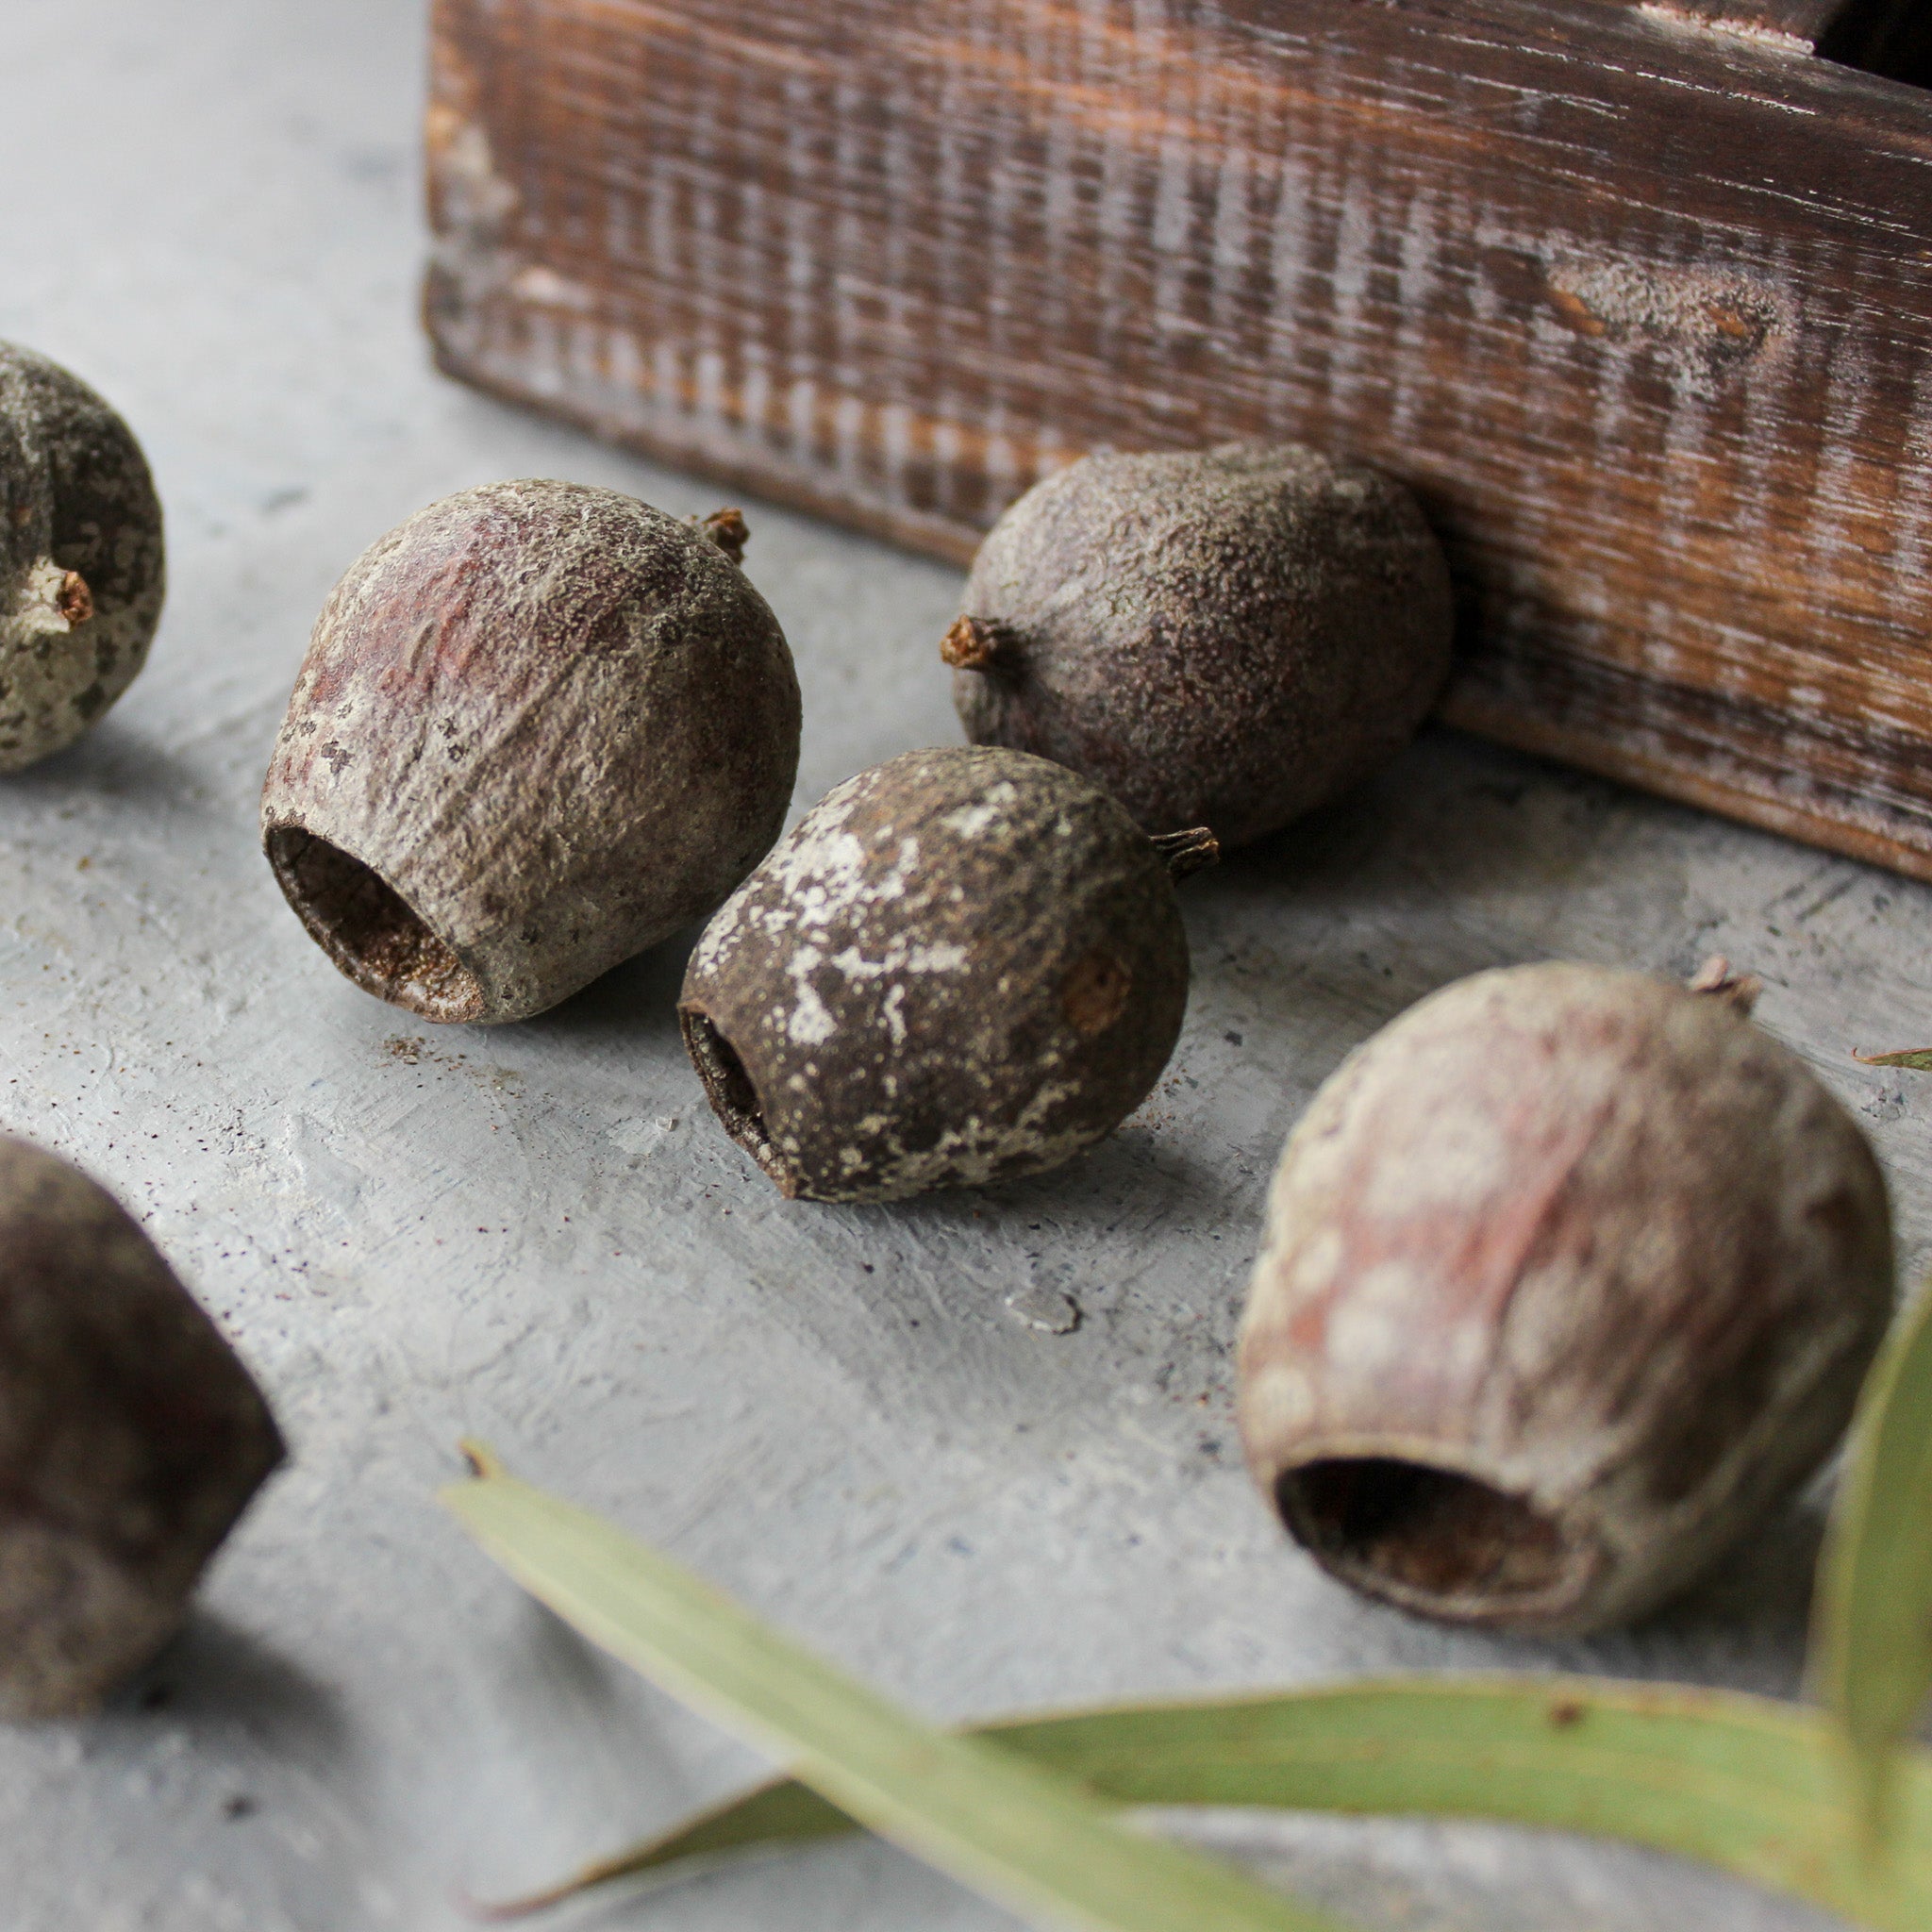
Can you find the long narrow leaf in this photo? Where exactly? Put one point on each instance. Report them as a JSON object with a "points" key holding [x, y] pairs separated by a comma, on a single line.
{"points": [[1747, 1784], [1017, 1832], [1871, 1635]]}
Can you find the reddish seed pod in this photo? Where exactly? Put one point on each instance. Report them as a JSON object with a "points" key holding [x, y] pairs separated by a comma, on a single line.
{"points": [[81, 565], [1570, 1275], [1223, 638], [961, 966], [538, 729], [130, 1439]]}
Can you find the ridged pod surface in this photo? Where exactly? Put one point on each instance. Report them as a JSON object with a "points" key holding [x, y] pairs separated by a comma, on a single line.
{"points": [[130, 1439], [961, 966], [82, 571], [540, 727], [1570, 1275], [1224, 637]]}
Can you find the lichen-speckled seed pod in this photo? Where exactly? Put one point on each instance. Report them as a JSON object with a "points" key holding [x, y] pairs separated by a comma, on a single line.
{"points": [[540, 727], [961, 966], [1570, 1275], [81, 568], [130, 1439], [1225, 638]]}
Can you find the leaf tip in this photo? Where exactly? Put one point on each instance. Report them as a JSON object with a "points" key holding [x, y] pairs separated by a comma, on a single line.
{"points": [[483, 1460], [506, 1912], [486, 1912], [1919, 1059]]}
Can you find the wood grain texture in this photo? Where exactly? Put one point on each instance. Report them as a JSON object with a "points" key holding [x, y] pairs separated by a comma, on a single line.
{"points": [[1644, 314]]}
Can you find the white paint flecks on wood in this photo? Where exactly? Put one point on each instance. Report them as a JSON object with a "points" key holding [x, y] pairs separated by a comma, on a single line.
{"points": [[1641, 309]]}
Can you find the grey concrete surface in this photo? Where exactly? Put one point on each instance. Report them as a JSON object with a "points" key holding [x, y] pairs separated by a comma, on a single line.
{"points": [[536, 1234]]}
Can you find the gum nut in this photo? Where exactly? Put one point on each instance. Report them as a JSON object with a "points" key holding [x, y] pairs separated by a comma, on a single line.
{"points": [[1226, 638], [81, 566], [961, 966], [1570, 1276], [130, 1439], [540, 727]]}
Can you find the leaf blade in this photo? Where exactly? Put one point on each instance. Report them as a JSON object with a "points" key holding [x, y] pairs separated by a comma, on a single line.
{"points": [[1872, 1627], [1744, 1784], [1013, 1830]]}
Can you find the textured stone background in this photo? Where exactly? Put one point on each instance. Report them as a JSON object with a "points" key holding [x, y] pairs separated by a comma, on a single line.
{"points": [[536, 1234]]}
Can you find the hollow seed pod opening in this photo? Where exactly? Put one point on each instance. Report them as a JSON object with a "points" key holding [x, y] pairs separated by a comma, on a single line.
{"points": [[132, 1437], [81, 563], [961, 966], [1569, 1277], [1225, 636], [538, 729]]}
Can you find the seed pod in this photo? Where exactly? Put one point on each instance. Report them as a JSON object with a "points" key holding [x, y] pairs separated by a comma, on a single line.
{"points": [[961, 966], [81, 568], [1226, 638], [130, 1439], [1570, 1275], [540, 727]]}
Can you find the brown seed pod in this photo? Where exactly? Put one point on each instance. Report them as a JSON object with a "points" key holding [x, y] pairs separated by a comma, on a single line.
{"points": [[961, 966], [1570, 1275], [1225, 638], [81, 567], [130, 1439], [540, 727]]}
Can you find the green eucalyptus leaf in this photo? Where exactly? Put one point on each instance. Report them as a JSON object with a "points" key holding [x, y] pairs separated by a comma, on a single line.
{"points": [[1012, 1829], [1872, 1633], [1747, 1784], [1918, 1057]]}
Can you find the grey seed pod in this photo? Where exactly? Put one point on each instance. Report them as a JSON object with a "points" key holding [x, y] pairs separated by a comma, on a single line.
{"points": [[130, 1439], [81, 566], [1225, 638], [961, 966], [540, 727], [1570, 1275]]}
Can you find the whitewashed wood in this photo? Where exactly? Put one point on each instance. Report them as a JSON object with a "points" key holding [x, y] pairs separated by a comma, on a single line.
{"points": [[1644, 311]]}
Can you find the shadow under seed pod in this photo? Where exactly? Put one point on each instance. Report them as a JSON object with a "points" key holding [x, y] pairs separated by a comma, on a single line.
{"points": [[132, 1437], [538, 729], [1570, 1275], [961, 966], [82, 558]]}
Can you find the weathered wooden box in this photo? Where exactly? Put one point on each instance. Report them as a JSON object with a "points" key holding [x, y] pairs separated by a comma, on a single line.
{"points": [[1639, 303]]}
